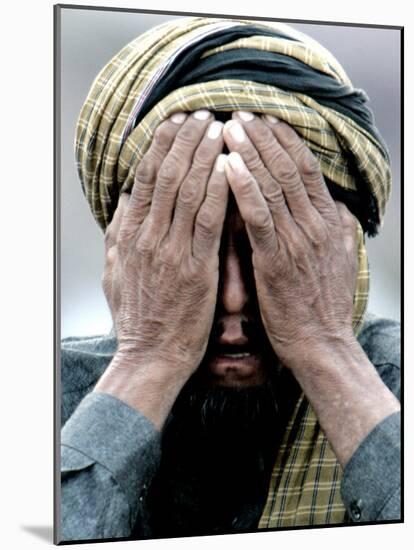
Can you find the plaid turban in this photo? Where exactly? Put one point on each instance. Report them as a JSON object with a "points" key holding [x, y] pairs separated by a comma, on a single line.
{"points": [[263, 67]]}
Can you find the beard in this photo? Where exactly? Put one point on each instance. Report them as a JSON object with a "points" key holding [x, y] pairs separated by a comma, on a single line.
{"points": [[210, 411], [218, 448]]}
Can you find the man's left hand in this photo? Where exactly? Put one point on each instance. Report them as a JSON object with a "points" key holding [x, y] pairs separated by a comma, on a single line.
{"points": [[304, 244]]}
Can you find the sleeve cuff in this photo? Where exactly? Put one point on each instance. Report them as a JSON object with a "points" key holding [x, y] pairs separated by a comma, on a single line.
{"points": [[108, 431], [372, 478]]}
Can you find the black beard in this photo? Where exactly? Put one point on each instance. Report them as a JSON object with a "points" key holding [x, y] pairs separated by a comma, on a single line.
{"points": [[215, 412], [218, 449]]}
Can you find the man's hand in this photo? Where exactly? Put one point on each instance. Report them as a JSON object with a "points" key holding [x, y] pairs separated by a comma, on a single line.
{"points": [[305, 266], [304, 245], [161, 272]]}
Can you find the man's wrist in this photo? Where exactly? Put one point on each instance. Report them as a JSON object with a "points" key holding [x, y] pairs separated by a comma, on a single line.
{"points": [[320, 352], [148, 385], [346, 392]]}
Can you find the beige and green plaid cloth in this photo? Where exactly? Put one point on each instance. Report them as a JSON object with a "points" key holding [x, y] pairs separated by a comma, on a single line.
{"points": [[306, 479]]}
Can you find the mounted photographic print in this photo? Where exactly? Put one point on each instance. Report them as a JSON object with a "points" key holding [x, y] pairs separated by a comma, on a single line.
{"points": [[228, 312]]}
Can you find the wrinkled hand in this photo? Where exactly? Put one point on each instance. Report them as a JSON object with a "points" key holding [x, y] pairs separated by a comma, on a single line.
{"points": [[161, 270], [304, 243]]}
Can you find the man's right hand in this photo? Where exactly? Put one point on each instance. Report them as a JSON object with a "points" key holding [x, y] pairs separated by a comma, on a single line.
{"points": [[161, 270]]}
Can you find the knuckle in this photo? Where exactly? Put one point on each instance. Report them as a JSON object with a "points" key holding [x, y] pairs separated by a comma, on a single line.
{"points": [[206, 221], [350, 246], [163, 134], [264, 139], [188, 194], [203, 160], [169, 255], [215, 201], [298, 246], [188, 136], [290, 138], [193, 273], [145, 172], [252, 159], [309, 165], [273, 194], [111, 255], [144, 246], [277, 157], [145, 241], [260, 219], [318, 233], [297, 148], [244, 186], [168, 172], [286, 170]]}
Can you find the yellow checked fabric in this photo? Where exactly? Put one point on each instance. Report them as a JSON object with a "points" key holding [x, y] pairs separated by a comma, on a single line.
{"points": [[305, 486], [306, 479]]}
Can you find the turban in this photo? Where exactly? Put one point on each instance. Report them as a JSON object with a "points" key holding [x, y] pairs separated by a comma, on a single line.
{"points": [[264, 67]]}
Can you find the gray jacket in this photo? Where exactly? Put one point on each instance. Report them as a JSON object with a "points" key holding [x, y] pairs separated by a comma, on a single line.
{"points": [[110, 452]]}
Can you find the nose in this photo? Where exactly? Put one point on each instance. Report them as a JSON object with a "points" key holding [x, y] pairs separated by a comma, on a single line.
{"points": [[234, 294]]}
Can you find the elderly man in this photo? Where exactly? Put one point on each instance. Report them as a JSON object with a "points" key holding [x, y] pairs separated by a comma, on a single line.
{"points": [[243, 387]]}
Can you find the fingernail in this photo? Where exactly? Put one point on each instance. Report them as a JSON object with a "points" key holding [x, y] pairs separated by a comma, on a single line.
{"points": [[178, 118], [272, 119], [215, 129], [236, 162], [221, 163], [202, 114], [245, 115], [236, 131]]}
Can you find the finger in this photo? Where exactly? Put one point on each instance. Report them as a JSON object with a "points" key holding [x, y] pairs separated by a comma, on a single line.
{"points": [[112, 230], [208, 225], [252, 205], [147, 169], [238, 141], [282, 168], [193, 188], [174, 169], [307, 165]]}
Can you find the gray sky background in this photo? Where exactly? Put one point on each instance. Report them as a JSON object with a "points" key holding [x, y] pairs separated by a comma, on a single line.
{"points": [[89, 38]]}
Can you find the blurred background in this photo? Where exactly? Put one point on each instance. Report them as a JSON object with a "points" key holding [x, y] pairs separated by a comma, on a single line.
{"points": [[88, 40]]}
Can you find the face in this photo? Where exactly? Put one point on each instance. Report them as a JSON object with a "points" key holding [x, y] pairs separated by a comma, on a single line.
{"points": [[239, 353], [240, 384]]}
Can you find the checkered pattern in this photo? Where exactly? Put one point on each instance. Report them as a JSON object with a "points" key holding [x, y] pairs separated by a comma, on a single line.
{"points": [[305, 486], [305, 483]]}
